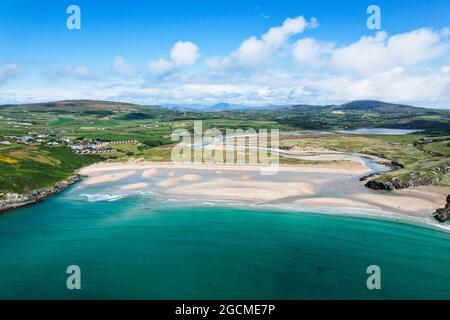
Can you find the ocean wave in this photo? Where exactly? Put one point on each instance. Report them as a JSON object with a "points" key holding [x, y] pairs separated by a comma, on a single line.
{"points": [[101, 197]]}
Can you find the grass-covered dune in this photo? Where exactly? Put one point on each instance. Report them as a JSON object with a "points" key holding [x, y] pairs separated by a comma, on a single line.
{"points": [[425, 159]]}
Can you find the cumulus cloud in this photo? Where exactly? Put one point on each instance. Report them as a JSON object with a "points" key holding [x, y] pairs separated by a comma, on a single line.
{"points": [[308, 52], [182, 54], [256, 51], [374, 54], [121, 68], [161, 67], [9, 71], [420, 87], [280, 66]]}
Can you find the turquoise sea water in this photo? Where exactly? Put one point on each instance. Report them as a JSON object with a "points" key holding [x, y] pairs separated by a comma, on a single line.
{"points": [[138, 247]]}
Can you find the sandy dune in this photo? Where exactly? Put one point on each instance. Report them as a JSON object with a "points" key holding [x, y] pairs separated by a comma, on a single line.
{"points": [[108, 177], [149, 173], [343, 168], [192, 177], [398, 203], [241, 190], [169, 182], [330, 185], [334, 202], [135, 186]]}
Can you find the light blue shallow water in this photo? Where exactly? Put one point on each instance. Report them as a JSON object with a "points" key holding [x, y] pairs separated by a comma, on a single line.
{"points": [[143, 248]]}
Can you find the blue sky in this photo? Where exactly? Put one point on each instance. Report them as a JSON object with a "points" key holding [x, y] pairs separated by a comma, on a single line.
{"points": [[123, 51]]}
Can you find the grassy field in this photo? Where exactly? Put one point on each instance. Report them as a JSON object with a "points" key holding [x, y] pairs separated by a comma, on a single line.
{"points": [[25, 167], [412, 151]]}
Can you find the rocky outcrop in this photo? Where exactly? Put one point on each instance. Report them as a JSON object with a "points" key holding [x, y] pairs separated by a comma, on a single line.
{"points": [[409, 179], [396, 165], [14, 200], [443, 214], [369, 176], [399, 183]]}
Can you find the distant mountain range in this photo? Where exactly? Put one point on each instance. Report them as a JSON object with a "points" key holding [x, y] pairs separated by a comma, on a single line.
{"points": [[77, 105], [222, 106]]}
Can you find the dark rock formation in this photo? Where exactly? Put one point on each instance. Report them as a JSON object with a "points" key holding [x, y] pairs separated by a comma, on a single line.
{"points": [[397, 183], [397, 165], [410, 179], [369, 176], [443, 214]]}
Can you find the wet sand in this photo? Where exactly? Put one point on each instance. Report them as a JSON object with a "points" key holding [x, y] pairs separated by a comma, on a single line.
{"points": [[331, 185]]}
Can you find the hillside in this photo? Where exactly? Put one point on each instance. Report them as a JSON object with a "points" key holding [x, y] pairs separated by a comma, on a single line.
{"points": [[74, 106], [353, 115], [34, 137]]}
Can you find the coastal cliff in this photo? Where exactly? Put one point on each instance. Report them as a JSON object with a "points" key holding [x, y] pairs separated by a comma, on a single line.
{"points": [[409, 179], [14, 200], [443, 214]]}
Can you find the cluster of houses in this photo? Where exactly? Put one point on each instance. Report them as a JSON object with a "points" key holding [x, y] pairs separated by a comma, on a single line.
{"points": [[43, 138], [85, 147], [98, 147], [18, 139], [95, 151], [125, 142], [91, 147], [149, 126], [18, 124]]}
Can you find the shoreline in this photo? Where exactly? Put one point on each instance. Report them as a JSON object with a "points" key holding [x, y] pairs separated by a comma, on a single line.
{"points": [[381, 215], [380, 204], [350, 168], [16, 201], [239, 183]]}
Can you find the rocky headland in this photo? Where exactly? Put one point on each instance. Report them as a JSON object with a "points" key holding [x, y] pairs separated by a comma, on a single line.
{"points": [[11, 201]]}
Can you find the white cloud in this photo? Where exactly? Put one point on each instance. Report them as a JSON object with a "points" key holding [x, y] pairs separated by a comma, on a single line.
{"points": [[121, 68], [278, 67], [78, 72], [70, 72], [422, 87], [182, 54], [374, 54], [260, 51], [9, 71], [161, 67], [308, 52]]}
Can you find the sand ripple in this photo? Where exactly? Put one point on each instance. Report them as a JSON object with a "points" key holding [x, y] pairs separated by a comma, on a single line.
{"points": [[108, 177]]}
